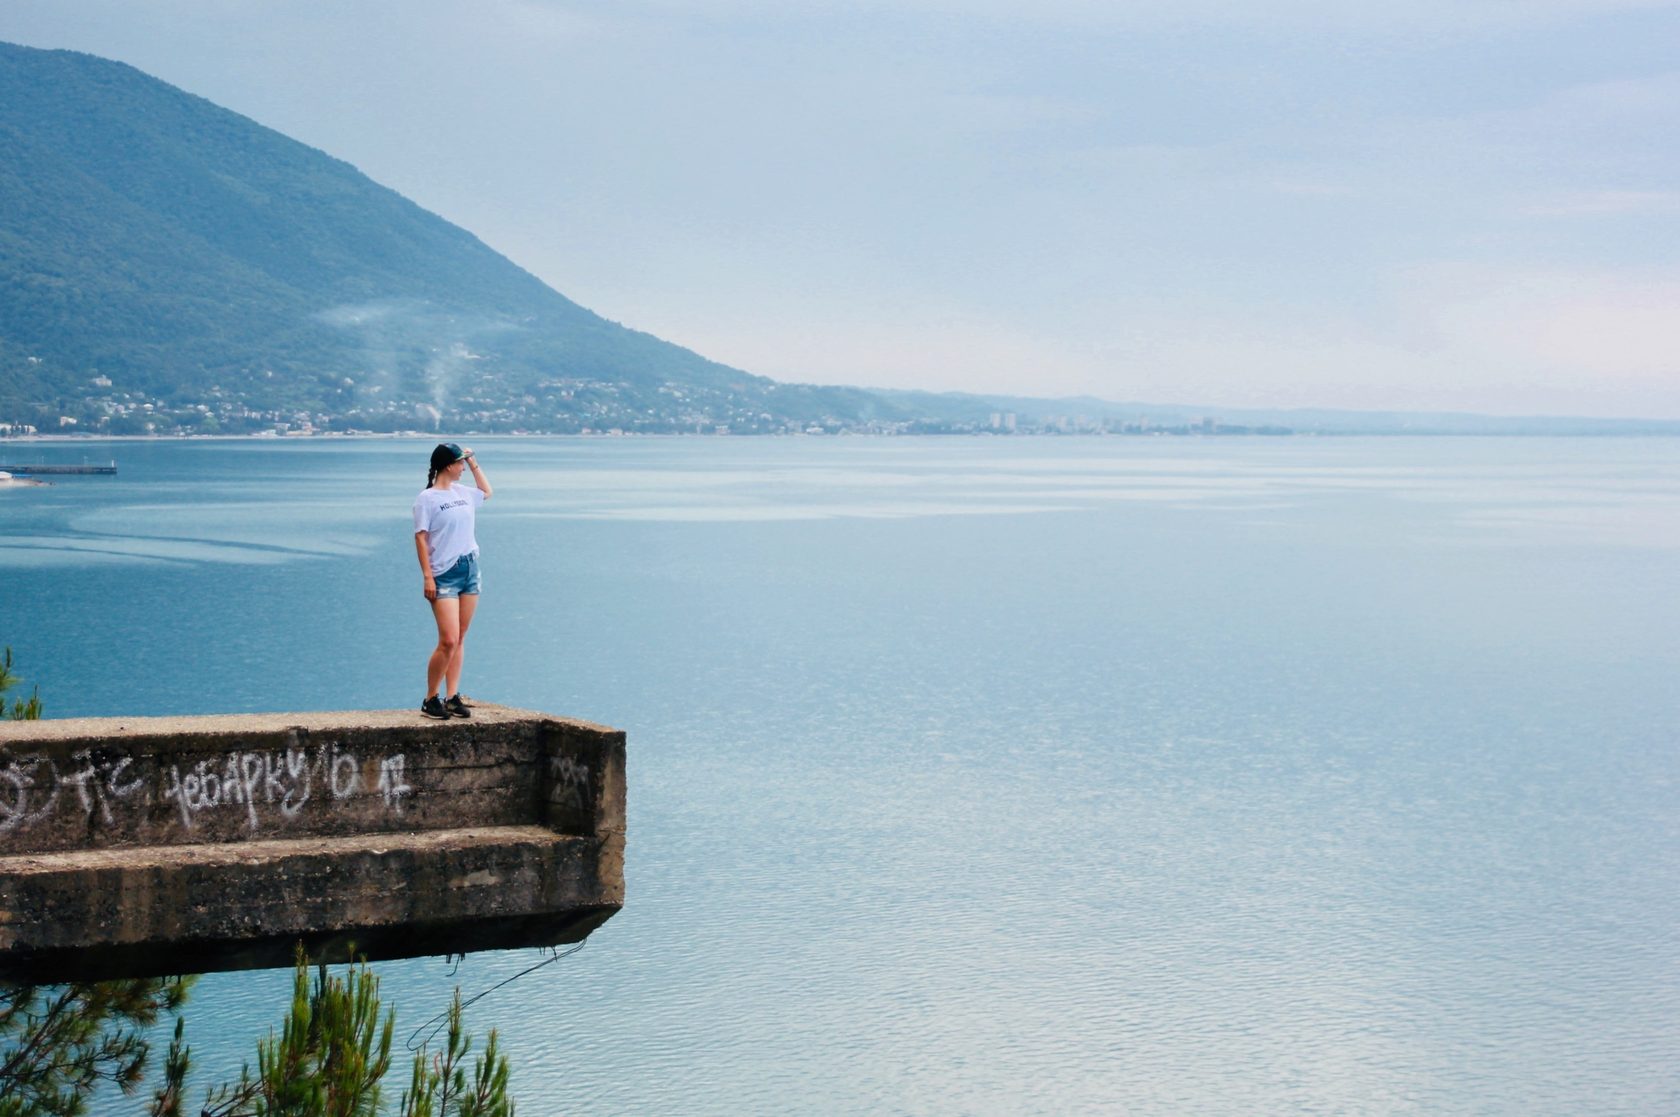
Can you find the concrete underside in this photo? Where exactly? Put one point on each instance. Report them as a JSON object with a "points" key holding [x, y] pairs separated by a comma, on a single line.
{"points": [[191, 854], [192, 909]]}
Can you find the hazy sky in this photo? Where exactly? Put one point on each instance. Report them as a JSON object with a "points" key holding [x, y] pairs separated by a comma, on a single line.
{"points": [[1434, 204]]}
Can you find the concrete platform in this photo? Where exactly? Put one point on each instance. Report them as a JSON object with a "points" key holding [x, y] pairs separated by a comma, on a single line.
{"points": [[162, 845]]}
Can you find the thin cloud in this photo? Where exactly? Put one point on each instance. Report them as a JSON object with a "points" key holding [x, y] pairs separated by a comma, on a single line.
{"points": [[1605, 203]]}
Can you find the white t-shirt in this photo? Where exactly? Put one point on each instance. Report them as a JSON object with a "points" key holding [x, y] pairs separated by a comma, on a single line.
{"points": [[447, 517]]}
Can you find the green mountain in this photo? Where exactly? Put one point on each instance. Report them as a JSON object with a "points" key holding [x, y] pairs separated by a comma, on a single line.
{"points": [[210, 266]]}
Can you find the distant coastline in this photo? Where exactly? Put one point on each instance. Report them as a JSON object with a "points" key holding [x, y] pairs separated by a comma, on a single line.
{"points": [[1587, 429]]}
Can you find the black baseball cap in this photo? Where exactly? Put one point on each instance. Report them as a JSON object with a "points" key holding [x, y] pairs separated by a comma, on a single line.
{"points": [[446, 454]]}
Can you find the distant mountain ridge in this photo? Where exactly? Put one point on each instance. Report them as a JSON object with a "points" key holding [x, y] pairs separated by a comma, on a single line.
{"points": [[167, 265]]}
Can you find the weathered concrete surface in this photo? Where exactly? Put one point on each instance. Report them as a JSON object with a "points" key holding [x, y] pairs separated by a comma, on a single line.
{"points": [[135, 846]]}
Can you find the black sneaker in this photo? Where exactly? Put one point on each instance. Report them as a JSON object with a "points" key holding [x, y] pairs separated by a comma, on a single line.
{"points": [[456, 707], [432, 708]]}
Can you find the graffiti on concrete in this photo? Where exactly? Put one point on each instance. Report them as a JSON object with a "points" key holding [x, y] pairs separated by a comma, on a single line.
{"points": [[28, 792], [570, 779], [260, 785]]}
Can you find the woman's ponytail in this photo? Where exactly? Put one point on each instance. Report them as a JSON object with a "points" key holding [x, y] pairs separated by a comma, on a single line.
{"points": [[446, 454]]}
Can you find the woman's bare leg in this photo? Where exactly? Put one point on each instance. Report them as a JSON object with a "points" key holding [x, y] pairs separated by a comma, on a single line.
{"points": [[469, 606], [447, 611]]}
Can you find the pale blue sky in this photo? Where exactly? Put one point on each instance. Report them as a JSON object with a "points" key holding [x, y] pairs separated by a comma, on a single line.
{"points": [[1467, 205]]}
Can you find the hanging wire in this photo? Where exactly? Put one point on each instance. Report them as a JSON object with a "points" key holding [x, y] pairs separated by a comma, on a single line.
{"points": [[437, 1023]]}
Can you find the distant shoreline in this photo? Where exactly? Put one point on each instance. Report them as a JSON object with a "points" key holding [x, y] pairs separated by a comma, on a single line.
{"points": [[393, 436]]}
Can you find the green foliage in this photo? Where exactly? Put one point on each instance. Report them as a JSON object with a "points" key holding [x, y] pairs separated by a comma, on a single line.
{"points": [[334, 1050], [438, 1086], [20, 709], [58, 1043], [167, 1101], [329, 1059]]}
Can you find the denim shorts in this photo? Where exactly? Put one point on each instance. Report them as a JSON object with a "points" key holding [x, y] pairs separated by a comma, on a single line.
{"points": [[460, 578]]}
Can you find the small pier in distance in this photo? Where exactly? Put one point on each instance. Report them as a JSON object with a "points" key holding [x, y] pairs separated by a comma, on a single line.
{"points": [[145, 846], [41, 470]]}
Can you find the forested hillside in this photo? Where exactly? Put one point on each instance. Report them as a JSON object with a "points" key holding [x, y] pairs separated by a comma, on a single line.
{"points": [[226, 274]]}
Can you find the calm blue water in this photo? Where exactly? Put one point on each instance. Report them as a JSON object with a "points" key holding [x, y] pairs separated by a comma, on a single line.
{"points": [[1072, 776]]}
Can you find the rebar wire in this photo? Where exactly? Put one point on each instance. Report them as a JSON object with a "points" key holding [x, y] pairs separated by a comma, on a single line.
{"points": [[437, 1023]]}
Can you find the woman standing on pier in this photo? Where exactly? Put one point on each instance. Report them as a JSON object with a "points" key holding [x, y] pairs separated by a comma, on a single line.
{"points": [[445, 514]]}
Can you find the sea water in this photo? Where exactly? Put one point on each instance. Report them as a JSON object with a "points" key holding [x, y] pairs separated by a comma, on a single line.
{"points": [[986, 776]]}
